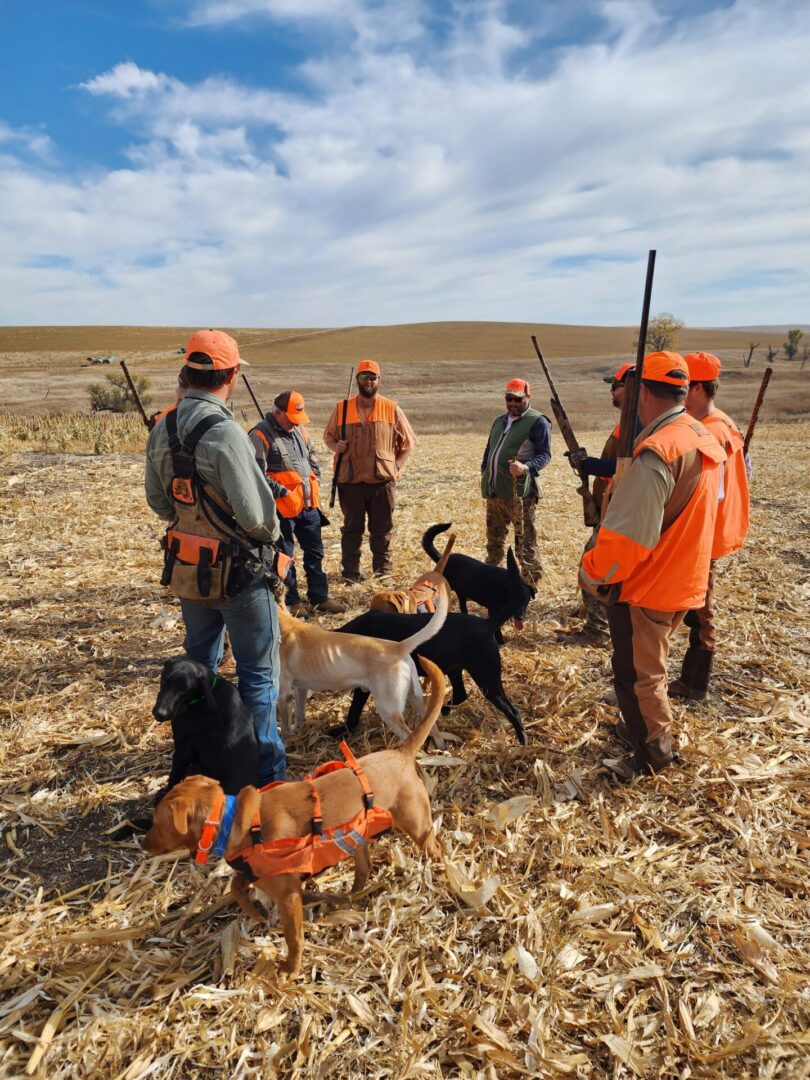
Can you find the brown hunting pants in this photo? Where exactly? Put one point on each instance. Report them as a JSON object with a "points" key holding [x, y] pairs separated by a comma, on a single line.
{"points": [[640, 639], [374, 502], [519, 513], [697, 662]]}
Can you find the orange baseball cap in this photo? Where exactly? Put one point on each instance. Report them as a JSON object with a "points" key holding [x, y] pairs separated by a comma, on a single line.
{"points": [[291, 403], [703, 366], [368, 365], [214, 351], [666, 367], [620, 374], [518, 386]]}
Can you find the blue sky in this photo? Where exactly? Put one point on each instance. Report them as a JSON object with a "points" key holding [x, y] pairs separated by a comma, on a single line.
{"points": [[342, 162]]}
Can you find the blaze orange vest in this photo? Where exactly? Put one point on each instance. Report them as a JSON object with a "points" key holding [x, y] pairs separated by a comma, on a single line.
{"points": [[322, 848], [675, 576], [733, 510], [371, 443], [291, 504]]}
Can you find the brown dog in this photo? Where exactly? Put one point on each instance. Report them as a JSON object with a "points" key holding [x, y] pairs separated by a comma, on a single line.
{"points": [[422, 595], [287, 811]]}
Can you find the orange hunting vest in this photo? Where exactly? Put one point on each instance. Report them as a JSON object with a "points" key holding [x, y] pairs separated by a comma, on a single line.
{"points": [[372, 442], [733, 511], [291, 504], [675, 576]]}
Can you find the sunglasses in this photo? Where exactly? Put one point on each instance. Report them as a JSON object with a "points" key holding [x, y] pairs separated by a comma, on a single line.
{"points": [[368, 376], [515, 397]]}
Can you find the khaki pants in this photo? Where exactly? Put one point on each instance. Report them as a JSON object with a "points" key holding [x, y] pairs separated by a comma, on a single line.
{"points": [[697, 663], [519, 513], [595, 612], [640, 639], [374, 502]]}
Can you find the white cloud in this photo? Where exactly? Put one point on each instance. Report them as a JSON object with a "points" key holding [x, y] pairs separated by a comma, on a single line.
{"points": [[440, 178]]}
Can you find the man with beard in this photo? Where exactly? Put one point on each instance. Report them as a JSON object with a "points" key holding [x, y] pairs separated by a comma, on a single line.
{"points": [[371, 439], [519, 446]]}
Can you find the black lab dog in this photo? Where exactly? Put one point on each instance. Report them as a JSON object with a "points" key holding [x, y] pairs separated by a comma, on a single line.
{"points": [[486, 585], [212, 727], [464, 643]]}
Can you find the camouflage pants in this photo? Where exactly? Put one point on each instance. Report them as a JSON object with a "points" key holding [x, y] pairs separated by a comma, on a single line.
{"points": [[519, 513], [595, 612]]}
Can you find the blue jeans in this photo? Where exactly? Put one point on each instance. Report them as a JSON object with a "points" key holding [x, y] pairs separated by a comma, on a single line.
{"points": [[251, 620], [306, 529]]}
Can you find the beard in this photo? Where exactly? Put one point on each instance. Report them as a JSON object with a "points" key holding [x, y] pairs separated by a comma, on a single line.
{"points": [[367, 390]]}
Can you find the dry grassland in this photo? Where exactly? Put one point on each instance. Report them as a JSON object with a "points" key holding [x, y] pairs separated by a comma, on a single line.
{"points": [[580, 926], [449, 375]]}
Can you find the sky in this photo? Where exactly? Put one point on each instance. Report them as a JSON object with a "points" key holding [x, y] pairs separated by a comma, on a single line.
{"points": [[351, 162]]}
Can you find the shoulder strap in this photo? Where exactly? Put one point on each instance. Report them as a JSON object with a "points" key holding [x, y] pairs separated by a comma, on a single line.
{"points": [[354, 765]]}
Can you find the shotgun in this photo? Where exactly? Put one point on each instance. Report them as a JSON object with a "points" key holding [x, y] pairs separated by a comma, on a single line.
{"points": [[339, 458], [627, 434], [253, 396], [148, 420], [590, 510], [752, 423]]}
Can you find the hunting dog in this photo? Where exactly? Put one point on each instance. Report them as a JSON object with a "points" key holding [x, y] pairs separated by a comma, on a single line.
{"points": [[486, 585], [464, 643], [286, 810], [316, 659], [212, 727], [421, 596]]}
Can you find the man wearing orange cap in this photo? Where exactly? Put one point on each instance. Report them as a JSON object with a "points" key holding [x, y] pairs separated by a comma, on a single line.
{"points": [[519, 446], [732, 521], [286, 455], [199, 451], [650, 563], [371, 439]]}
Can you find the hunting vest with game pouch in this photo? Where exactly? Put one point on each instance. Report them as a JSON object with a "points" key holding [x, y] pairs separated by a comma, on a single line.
{"points": [[208, 557]]}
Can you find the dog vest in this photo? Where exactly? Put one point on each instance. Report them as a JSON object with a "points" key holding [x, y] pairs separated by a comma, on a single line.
{"points": [[322, 848]]}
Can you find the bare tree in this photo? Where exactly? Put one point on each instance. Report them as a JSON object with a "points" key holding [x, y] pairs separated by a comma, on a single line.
{"points": [[805, 355], [772, 354], [751, 346]]}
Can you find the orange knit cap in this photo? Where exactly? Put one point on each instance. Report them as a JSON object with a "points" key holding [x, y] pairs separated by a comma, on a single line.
{"points": [[703, 366], [666, 367]]}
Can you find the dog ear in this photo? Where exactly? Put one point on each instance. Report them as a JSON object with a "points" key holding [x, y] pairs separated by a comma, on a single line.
{"points": [[180, 811]]}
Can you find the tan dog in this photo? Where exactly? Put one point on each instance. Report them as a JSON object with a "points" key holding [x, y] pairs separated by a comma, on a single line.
{"points": [[422, 595], [287, 810], [316, 659]]}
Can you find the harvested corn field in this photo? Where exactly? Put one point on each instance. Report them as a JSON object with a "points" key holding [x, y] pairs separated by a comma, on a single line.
{"points": [[580, 926]]}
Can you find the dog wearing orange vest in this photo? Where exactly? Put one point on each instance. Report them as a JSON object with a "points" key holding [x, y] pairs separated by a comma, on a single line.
{"points": [[285, 810]]}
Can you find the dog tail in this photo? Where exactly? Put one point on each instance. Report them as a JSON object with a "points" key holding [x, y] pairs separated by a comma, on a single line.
{"points": [[428, 538], [448, 547], [412, 745], [430, 629]]}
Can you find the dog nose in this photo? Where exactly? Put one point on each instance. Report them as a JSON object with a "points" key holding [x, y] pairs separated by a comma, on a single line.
{"points": [[160, 712]]}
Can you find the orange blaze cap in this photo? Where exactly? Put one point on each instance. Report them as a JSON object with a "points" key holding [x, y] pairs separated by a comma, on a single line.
{"points": [[368, 365], [666, 367], [620, 374], [216, 351], [518, 386], [291, 403], [703, 366]]}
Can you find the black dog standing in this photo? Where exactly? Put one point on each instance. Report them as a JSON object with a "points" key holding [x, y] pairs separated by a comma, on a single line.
{"points": [[212, 727]]}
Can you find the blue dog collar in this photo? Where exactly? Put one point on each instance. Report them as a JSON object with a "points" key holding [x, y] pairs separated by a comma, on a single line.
{"points": [[228, 815]]}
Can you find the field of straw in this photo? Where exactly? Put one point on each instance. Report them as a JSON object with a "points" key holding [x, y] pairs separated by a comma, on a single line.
{"points": [[580, 926]]}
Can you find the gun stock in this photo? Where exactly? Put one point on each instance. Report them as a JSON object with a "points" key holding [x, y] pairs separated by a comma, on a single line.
{"points": [[752, 423], [148, 421], [590, 511]]}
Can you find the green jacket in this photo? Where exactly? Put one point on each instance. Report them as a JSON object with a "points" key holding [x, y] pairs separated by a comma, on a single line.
{"points": [[496, 480]]}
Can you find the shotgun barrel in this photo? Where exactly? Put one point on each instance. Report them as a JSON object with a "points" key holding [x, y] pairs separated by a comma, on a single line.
{"points": [[752, 423], [339, 458], [627, 434], [148, 421], [253, 396]]}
